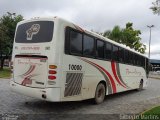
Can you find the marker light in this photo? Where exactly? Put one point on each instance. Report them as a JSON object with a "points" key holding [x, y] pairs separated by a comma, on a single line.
{"points": [[52, 72], [52, 66], [52, 77]]}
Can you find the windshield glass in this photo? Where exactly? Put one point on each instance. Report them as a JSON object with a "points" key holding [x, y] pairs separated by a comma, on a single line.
{"points": [[35, 32]]}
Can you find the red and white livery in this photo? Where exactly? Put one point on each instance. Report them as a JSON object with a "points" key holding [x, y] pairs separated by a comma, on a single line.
{"points": [[56, 60]]}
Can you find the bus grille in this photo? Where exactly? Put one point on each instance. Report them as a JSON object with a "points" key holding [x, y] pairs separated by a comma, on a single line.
{"points": [[73, 84]]}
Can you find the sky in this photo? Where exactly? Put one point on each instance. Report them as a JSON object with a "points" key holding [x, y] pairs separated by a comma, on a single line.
{"points": [[97, 15]]}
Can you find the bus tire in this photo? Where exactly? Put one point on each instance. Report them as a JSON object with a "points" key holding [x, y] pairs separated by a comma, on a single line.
{"points": [[140, 85], [100, 93]]}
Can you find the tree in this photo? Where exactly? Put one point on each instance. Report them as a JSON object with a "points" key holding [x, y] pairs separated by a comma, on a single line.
{"points": [[8, 24], [115, 34], [127, 36], [156, 7], [131, 38]]}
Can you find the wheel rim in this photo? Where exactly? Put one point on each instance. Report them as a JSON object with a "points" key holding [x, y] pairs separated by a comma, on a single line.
{"points": [[100, 93]]}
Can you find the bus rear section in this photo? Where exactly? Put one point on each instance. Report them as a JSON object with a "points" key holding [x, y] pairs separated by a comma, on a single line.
{"points": [[30, 71], [34, 60]]}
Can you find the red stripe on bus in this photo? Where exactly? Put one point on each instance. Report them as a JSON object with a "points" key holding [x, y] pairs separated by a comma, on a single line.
{"points": [[110, 77], [27, 80], [108, 74], [115, 74], [32, 67]]}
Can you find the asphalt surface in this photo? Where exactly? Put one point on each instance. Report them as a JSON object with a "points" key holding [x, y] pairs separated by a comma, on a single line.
{"points": [[130, 102]]}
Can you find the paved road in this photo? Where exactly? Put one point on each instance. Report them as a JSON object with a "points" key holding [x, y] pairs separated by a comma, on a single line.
{"points": [[131, 102]]}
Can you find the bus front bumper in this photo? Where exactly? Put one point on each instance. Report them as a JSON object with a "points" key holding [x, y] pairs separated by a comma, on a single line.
{"points": [[48, 94]]}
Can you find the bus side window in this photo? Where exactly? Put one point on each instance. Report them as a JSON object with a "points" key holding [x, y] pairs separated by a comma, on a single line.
{"points": [[67, 41], [136, 59], [88, 46], [121, 54], [139, 60], [108, 51], [126, 56], [142, 61], [75, 42], [129, 57], [147, 65], [115, 54], [133, 59], [100, 49]]}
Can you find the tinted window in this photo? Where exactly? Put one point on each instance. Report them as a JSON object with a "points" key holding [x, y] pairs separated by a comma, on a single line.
{"points": [[121, 54], [100, 49], [130, 58], [136, 59], [88, 46], [108, 51], [133, 59], [35, 32], [147, 66], [115, 53], [126, 56], [142, 61], [139, 60], [75, 42]]}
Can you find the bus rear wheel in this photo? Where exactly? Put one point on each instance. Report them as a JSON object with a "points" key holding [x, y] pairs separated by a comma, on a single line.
{"points": [[140, 85], [99, 94]]}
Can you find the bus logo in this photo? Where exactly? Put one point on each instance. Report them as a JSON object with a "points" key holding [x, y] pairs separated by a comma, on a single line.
{"points": [[33, 30]]}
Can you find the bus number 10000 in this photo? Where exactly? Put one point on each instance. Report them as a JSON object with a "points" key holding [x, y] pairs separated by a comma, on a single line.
{"points": [[75, 67]]}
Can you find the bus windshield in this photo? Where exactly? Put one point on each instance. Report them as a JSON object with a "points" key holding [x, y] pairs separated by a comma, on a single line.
{"points": [[35, 32]]}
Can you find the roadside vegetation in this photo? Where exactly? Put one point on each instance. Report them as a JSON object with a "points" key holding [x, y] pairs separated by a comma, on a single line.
{"points": [[155, 110], [5, 73], [8, 24], [152, 114]]}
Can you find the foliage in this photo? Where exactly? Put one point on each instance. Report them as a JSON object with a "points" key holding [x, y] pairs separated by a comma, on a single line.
{"points": [[151, 114], [127, 36], [8, 24], [155, 110], [115, 34], [156, 7], [5, 73]]}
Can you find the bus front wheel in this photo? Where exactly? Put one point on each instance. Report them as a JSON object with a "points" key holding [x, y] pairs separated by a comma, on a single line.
{"points": [[140, 85], [100, 93]]}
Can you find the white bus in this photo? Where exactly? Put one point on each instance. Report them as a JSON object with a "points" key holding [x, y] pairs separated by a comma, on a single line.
{"points": [[56, 60]]}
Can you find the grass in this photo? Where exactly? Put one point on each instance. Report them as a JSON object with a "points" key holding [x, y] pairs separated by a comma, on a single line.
{"points": [[152, 114], [155, 110], [5, 73]]}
